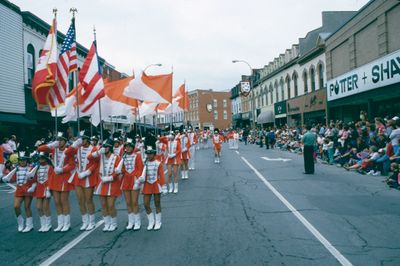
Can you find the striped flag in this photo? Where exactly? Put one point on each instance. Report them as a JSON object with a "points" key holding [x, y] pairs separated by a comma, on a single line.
{"points": [[67, 63], [91, 80]]}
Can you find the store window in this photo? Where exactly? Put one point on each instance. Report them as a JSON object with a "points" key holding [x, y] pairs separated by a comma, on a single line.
{"points": [[276, 92], [321, 76], [215, 103], [271, 93], [30, 62], [288, 86], [225, 115], [225, 103], [305, 80], [282, 89], [215, 115], [312, 77]]}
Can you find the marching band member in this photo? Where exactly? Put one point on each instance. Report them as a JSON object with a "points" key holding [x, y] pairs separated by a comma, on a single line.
{"points": [[173, 162], [230, 139], [185, 146], [22, 175], [1, 160], [109, 186], [94, 141], [139, 145], [131, 167], [118, 147], [161, 148], [193, 141], [85, 179], [154, 184], [43, 173], [217, 143], [64, 167], [236, 140]]}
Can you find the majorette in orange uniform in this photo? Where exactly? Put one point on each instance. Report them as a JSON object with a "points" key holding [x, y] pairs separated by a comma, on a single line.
{"points": [[230, 139], [130, 168], [43, 172], [236, 137], [22, 175], [154, 184], [193, 141], [109, 186], [162, 148], [86, 177], [173, 161], [185, 146], [217, 143], [118, 147], [64, 168]]}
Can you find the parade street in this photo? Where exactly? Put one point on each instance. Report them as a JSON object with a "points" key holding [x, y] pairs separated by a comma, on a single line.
{"points": [[244, 211]]}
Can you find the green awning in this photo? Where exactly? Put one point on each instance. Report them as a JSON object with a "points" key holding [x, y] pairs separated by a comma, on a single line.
{"points": [[15, 118]]}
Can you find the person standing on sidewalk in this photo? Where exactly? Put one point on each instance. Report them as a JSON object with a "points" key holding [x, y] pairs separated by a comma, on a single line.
{"points": [[309, 140]]}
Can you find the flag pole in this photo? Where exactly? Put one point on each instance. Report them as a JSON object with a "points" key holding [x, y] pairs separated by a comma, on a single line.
{"points": [[172, 106], [55, 118], [184, 104]]}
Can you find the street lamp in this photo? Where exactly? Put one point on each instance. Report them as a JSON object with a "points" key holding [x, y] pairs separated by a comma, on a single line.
{"points": [[212, 104], [151, 65], [252, 99]]}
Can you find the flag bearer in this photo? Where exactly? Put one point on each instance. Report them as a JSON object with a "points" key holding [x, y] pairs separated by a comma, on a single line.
{"points": [[109, 185], [130, 168], [85, 179], [22, 175], [64, 167]]}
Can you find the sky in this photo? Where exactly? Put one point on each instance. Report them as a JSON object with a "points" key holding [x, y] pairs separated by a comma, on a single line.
{"points": [[197, 39]]}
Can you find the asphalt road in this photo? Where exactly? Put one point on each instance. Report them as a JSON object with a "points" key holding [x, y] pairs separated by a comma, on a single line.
{"points": [[226, 215]]}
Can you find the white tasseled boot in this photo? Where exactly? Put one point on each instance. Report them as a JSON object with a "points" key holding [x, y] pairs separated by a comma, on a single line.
{"points": [[171, 188], [47, 221], [183, 174], [60, 223], [113, 225], [20, 221], [92, 222], [42, 223], [131, 221], [67, 223], [138, 223], [85, 222], [107, 223], [29, 225], [158, 221], [175, 188], [187, 174], [150, 217]]}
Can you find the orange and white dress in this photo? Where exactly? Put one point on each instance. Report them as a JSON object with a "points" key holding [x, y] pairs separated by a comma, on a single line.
{"points": [[153, 177], [59, 182], [107, 168], [42, 178], [84, 164], [161, 149], [119, 150], [174, 152], [23, 178], [185, 145], [131, 167], [217, 142]]}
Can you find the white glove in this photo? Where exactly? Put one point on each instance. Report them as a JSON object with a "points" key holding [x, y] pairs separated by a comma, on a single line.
{"points": [[141, 179], [106, 179], [48, 194], [118, 171], [5, 179], [184, 150], [77, 143], [102, 151], [54, 144], [58, 170], [84, 174], [171, 155], [164, 189], [32, 188], [136, 186]]}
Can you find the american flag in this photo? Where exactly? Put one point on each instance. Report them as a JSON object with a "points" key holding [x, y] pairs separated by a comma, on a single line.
{"points": [[66, 64]]}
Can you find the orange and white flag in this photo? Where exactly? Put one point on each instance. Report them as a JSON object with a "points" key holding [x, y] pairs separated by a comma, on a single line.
{"points": [[156, 89]]}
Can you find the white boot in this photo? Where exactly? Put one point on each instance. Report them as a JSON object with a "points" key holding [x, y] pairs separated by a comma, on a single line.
{"points": [[85, 222], [60, 223], [187, 174], [175, 188], [183, 174], [171, 189], [47, 220], [29, 225], [150, 217], [113, 225], [131, 221], [107, 223], [92, 222], [20, 221], [215, 160], [158, 221], [42, 223], [137, 221], [67, 223]]}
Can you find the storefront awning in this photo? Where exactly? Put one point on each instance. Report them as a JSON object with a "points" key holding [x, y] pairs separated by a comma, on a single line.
{"points": [[265, 117], [17, 119]]}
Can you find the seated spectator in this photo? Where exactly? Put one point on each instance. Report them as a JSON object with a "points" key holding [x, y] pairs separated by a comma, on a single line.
{"points": [[394, 178]]}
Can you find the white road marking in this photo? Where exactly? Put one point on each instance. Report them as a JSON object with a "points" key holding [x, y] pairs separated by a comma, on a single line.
{"points": [[70, 245], [237, 152], [342, 260], [276, 159]]}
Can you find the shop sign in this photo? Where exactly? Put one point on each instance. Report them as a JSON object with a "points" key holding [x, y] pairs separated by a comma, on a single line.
{"points": [[379, 73], [310, 102], [245, 88], [280, 108]]}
